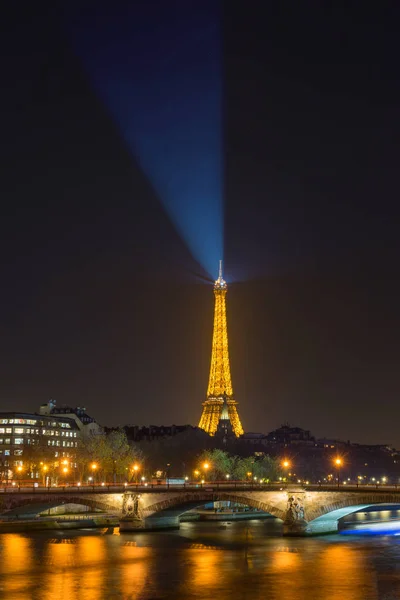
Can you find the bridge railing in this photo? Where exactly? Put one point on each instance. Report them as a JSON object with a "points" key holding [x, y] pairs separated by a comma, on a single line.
{"points": [[189, 486]]}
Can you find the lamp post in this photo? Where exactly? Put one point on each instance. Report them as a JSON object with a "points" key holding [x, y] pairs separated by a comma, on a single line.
{"points": [[206, 466], [45, 469], [93, 466], [65, 471], [286, 465], [338, 463], [135, 470], [19, 469], [168, 473]]}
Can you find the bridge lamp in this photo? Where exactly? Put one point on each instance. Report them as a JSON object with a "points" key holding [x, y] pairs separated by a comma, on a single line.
{"points": [[384, 479], [202, 481], [206, 466], [93, 466], [143, 478], [227, 476], [197, 472], [79, 484], [286, 464], [186, 478], [338, 463], [103, 484]]}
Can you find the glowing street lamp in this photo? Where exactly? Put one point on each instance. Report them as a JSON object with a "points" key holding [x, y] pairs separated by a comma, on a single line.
{"points": [[45, 469], [135, 469], [19, 469], [338, 464], [93, 466]]}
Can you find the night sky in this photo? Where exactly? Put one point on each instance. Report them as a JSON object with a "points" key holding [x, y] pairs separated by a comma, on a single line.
{"points": [[102, 303]]}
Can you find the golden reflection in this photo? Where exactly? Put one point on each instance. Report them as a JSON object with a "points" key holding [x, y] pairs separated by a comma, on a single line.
{"points": [[135, 575], [15, 565], [286, 560], [61, 581], [345, 572], [92, 559], [16, 553], [205, 568]]}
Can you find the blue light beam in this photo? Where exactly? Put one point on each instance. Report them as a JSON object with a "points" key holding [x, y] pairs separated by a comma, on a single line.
{"points": [[157, 68]]}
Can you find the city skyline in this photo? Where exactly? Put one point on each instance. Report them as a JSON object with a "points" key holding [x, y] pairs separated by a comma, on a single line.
{"points": [[103, 304]]}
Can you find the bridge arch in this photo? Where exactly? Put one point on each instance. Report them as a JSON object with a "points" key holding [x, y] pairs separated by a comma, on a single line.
{"points": [[176, 505], [325, 517], [28, 505]]}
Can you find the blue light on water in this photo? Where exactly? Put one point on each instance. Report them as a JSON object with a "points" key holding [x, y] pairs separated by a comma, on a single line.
{"points": [[157, 68], [374, 529]]}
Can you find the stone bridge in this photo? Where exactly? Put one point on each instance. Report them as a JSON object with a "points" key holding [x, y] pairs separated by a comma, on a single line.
{"points": [[303, 511]]}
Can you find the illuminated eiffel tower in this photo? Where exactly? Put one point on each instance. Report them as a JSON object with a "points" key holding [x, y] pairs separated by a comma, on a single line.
{"points": [[220, 409]]}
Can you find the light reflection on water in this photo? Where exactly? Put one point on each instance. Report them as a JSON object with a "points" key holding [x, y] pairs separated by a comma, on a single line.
{"points": [[240, 561]]}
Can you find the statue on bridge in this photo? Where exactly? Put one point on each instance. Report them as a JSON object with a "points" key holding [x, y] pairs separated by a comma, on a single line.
{"points": [[131, 509], [294, 522]]}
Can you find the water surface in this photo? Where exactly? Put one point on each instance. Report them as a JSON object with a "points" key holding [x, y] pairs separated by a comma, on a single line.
{"points": [[239, 561]]}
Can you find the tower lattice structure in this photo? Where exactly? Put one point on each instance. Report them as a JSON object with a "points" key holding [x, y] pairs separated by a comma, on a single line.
{"points": [[220, 407]]}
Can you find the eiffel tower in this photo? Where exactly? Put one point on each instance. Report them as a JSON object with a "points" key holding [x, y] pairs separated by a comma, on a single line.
{"points": [[220, 409]]}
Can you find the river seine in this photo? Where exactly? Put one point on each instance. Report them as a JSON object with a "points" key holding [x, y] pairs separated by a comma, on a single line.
{"points": [[237, 561]]}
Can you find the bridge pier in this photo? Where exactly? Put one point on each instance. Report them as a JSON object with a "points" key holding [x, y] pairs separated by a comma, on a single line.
{"points": [[131, 524]]}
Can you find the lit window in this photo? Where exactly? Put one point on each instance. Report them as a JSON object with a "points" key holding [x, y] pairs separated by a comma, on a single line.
{"points": [[17, 452], [19, 430], [18, 441], [4, 421], [8, 429], [7, 441]]}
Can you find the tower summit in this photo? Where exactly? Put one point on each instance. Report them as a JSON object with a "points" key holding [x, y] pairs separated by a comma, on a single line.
{"points": [[220, 404]]}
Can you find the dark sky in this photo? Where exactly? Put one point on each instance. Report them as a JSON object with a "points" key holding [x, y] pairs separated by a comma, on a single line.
{"points": [[99, 305]]}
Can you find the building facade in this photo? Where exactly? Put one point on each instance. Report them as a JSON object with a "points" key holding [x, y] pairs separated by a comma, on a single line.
{"points": [[32, 445]]}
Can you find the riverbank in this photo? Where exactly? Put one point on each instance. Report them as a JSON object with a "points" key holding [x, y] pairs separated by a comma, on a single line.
{"points": [[208, 515], [57, 523]]}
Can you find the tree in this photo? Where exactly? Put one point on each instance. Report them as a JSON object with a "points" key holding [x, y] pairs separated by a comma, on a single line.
{"points": [[110, 455], [220, 464]]}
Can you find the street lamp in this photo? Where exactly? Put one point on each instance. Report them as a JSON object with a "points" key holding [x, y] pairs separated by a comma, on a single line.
{"points": [[45, 469], [93, 466], [338, 463], [135, 470], [65, 471], [19, 469]]}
